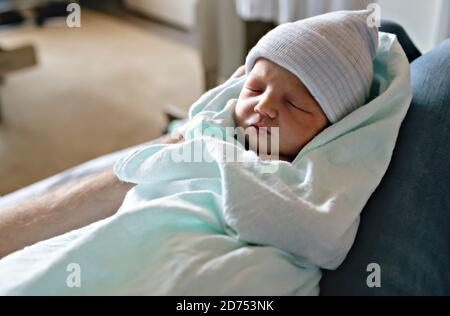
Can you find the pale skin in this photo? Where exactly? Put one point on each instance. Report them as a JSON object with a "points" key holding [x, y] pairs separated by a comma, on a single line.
{"points": [[272, 97]]}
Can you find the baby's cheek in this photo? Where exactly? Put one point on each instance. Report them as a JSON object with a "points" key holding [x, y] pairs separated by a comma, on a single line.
{"points": [[239, 114]]}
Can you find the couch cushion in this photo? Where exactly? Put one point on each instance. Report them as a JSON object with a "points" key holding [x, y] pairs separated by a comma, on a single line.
{"points": [[405, 226]]}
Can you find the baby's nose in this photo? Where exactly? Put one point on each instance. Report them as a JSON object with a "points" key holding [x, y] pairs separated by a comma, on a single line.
{"points": [[266, 107]]}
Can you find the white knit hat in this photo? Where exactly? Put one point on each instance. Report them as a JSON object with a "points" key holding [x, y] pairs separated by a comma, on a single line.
{"points": [[332, 54]]}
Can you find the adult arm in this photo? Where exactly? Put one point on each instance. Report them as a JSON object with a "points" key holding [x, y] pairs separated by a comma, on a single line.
{"points": [[70, 207]]}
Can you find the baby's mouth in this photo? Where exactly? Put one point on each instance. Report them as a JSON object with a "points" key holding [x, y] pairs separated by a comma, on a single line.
{"points": [[261, 129]]}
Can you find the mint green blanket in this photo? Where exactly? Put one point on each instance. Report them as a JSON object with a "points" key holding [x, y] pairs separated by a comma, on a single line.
{"points": [[220, 228]]}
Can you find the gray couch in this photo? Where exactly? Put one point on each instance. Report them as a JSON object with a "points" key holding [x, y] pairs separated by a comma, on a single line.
{"points": [[405, 226]]}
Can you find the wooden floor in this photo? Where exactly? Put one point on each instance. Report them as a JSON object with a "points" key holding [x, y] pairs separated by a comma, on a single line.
{"points": [[97, 89]]}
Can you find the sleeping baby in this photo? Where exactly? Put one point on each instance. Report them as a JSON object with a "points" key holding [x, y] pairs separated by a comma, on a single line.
{"points": [[218, 228], [304, 76]]}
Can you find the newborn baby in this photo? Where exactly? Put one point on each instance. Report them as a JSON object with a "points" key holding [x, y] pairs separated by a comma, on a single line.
{"points": [[274, 97], [303, 76], [222, 228]]}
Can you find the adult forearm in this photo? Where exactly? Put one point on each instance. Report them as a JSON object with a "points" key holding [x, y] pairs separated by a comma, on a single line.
{"points": [[70, 207]]}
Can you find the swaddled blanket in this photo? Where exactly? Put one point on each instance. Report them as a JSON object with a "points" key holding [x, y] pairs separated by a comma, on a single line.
{"points": [[216, 227]]}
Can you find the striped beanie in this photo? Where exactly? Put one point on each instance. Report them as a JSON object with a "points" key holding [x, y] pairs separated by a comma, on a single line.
{"points": [[332, 54]]}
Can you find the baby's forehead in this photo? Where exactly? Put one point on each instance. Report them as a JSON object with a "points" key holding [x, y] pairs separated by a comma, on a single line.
{"points": [[268, 71]]}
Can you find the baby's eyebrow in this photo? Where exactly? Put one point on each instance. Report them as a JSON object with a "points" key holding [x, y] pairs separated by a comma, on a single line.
{"points": [[293, 93]]}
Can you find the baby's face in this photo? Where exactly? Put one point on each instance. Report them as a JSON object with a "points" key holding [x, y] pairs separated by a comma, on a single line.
{"points": [[274, 97]]}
